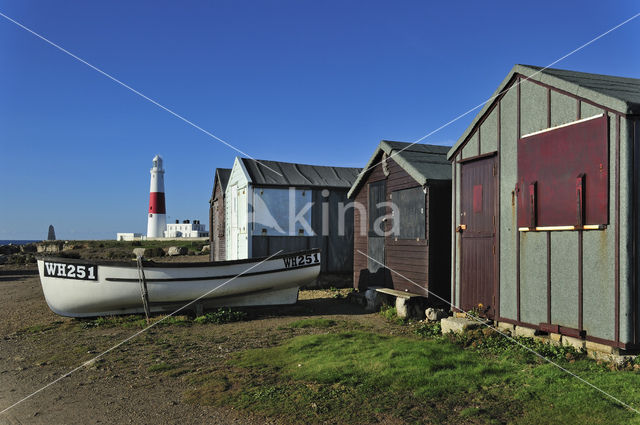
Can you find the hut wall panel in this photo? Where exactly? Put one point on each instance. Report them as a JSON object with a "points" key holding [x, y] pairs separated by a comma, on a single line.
{"points": [[508, 220], [407, 257], [416, 272], [217, 234], [564, 245], [533, 107], [340, 246], [626, 226], [564, 280], [635, 136], [587, 110], [471, 148], [533, 277], [359, 238], [489, 133], [598, 284], [455, 296], [599, 258], [564, 109]]}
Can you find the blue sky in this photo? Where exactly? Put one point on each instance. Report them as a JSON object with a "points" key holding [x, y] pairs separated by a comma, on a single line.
{"points": [[299, 81]]}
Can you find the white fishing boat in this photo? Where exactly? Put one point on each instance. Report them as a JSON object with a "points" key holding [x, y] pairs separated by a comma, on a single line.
{"points": [[85, 288]]}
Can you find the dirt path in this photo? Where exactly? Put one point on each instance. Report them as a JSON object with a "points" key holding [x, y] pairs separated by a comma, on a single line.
{"points": [[37, 346]]}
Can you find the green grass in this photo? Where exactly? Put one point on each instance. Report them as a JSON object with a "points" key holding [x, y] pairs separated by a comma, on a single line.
{"points": [[312, 323], [360, 377], [160, 367], [132, 321]]}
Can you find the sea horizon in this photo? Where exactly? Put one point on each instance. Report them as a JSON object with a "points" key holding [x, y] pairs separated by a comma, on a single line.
{"points": [[18, 241]]}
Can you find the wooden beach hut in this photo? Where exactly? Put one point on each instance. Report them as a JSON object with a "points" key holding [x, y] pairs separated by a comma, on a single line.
{"points": [[402, 217], [216, 215], [545, 216], [272, 206]]}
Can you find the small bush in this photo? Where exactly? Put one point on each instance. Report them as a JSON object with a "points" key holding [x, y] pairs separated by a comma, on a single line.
{"points": [[429, 330], [221, 316]]}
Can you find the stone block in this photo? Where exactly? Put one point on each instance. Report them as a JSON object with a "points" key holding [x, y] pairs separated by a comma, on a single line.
{"points": [[457, 325], [524, 331], [435, 314], [555, 339], [576, 343], [402, 307], [602, 348], [504, 326]]}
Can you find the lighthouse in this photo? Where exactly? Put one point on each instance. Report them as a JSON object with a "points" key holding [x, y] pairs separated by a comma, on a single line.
{"points": [[157, 212]]}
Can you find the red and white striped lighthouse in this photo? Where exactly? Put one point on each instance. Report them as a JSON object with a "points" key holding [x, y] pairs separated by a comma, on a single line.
{"points": [[157, 212]]}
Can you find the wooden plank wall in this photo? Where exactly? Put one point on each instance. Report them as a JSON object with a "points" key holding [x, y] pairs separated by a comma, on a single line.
{"points": [[359, 237], [406, 257], [217, 229]]}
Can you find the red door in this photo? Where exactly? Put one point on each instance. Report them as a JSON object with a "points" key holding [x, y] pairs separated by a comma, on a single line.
{"points": [[477, 219]]}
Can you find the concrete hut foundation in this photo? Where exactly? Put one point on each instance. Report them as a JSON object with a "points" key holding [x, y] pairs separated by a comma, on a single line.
{"points": [[459, 323]]}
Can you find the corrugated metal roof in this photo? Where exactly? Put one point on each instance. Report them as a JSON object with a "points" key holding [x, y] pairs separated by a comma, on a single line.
{"points": [[299, 175], [420, 161], [618, 93], [622, 88], [222, 175]]}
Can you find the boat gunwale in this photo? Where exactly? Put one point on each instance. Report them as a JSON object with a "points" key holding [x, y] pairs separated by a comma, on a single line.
{"points": [[153, 264], [200, 278]]}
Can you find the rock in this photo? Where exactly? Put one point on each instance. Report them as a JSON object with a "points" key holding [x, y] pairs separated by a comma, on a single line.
{"points": [[28, 248], [457, 325], [138, 252], [435, 314], [176, 250], [3, 259], [206, 249], [9, 249], [49, 247]]}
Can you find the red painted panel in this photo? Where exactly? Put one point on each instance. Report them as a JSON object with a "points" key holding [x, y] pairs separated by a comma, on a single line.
{"points": [[477, 198], [553, 161], [156, 203]]}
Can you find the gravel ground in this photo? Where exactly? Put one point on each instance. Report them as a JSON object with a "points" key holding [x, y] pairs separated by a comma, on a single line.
{"points": [[37, 347]]}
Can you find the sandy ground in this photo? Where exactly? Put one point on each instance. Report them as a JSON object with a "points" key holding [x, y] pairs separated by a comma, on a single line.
{"points": [[37, 347]]}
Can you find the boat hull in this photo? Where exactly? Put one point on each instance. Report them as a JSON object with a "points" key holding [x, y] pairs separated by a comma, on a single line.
{"points": [[80, 288]]}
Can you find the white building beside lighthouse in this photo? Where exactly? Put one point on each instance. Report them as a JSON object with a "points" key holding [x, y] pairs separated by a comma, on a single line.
{"points": [[157, 220]]}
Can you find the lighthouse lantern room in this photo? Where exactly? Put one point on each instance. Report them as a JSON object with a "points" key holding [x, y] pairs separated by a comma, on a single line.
{"points": [[157, 212]]}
